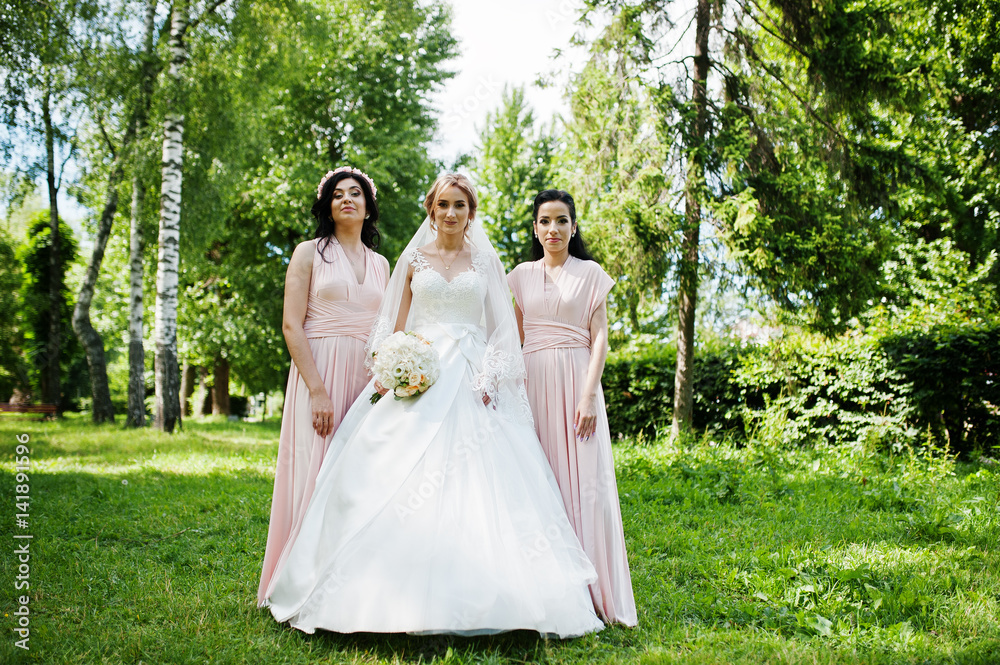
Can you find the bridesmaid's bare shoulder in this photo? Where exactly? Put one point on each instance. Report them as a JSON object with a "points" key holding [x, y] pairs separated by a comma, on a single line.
{"points": [[303, 253]]}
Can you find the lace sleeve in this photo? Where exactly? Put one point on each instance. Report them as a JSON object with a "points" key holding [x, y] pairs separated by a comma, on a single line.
{"points": [[498, 366], [502, 375], [418, 261]]}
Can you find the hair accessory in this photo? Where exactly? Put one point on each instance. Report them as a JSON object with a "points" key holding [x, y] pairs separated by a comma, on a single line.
{"points": [[346, 169]]}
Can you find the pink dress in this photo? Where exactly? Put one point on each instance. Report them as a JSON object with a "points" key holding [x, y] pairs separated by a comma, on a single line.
{"points": [[557, 355], [339, 315]]}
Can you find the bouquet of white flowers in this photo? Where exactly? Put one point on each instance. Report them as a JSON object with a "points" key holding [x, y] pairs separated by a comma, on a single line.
{"points": [[405, 364]]}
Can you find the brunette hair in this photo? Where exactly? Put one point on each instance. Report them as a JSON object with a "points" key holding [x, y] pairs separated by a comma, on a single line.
{"points": [[576, 247], [325, 228]]}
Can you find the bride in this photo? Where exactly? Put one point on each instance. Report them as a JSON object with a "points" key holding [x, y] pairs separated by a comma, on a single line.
{"points": [[439, 513]]}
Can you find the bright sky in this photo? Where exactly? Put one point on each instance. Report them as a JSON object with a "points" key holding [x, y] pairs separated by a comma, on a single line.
{"points": [[504, 43]]}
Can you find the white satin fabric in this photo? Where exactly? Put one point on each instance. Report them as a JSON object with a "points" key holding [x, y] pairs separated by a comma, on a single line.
{"points": [[437, 514]]}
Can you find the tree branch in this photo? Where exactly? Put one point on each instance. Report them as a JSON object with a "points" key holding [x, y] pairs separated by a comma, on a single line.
{"points": [[208, 10]]}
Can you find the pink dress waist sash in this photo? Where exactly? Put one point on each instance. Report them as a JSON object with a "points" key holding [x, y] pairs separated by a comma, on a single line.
{"points": [[546, 334], [329, 319]]}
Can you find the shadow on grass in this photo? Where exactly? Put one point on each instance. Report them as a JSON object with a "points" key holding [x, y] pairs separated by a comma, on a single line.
{"points": [[519, 646]]}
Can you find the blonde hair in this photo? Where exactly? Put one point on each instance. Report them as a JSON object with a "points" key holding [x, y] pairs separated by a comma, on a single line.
{"points": [[443, 182]]}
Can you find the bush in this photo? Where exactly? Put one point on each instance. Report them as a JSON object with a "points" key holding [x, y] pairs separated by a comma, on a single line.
{"points": [[950, 376], [239, 405], [639, 389], [905, 388], [822, 390]]}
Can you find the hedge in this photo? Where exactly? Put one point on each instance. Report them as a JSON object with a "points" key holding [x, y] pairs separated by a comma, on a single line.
{"points": [[937, 385]]}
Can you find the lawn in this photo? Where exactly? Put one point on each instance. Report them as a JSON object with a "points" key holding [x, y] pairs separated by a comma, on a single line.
{"points": [[146, 549]]}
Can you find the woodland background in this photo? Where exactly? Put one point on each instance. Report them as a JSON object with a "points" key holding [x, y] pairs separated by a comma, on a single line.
{"points": [[802, 213]]}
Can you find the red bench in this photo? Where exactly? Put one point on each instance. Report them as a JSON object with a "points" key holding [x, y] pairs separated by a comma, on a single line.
{"points": [[43, 409]]}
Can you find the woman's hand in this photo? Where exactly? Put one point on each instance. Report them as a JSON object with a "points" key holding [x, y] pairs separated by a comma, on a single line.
{"points": [[585, 421], [380, 389], [322, 413]]}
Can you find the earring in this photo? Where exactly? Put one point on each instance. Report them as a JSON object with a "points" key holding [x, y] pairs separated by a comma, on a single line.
{"points": [[367, 216]]}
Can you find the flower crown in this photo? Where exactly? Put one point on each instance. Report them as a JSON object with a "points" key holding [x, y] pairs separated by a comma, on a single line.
{"points": [[345, 169]]}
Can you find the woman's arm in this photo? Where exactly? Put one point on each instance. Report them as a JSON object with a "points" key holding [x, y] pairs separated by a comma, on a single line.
{"points": [[297, 281], [404, 311], [585, 421], [519, 315], [404, 302]]}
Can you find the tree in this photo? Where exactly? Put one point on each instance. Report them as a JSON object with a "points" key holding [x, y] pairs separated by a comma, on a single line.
{"points": [[752, 178], [512, 164], [36, 257], [889, 111], [136, 409], [13, 369], [168, 407], [616, 158], [260, 157]]}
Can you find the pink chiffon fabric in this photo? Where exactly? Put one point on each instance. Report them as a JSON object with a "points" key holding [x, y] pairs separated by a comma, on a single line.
{"points": [[339, 315], [557, 356]]}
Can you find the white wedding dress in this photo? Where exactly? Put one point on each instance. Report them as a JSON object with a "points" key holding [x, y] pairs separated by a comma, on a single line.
{"points": [[436, 513]]}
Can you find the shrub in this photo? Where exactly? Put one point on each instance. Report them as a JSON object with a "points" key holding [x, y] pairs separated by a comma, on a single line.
{"points": [[639, 389], [950, 376], [905, 388]]}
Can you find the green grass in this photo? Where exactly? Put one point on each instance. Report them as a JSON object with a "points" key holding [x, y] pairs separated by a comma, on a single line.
{"points": [[147, 549]]}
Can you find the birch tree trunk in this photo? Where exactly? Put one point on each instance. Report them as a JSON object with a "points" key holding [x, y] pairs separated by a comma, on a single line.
{"points": [[50, 384], [687, 296], [136, 410], [168, 406]]}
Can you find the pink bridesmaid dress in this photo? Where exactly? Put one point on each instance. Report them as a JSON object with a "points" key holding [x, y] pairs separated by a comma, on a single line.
{"points": [[557, 355], [339, 315]]}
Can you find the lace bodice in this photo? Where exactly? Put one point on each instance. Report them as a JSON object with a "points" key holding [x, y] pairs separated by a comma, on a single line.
{"points": [[436, 300]]}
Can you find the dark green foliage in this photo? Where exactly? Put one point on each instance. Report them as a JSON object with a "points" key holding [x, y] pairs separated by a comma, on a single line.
{"points": [[239, 405], [906, 388], [951, 377], [639, 390], [13, 368], [34, 255], [810, 390], [936, 386]]}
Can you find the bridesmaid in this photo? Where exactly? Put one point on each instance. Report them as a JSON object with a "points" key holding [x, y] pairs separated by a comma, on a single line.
{"points": [[333, 289], [561, 310]]}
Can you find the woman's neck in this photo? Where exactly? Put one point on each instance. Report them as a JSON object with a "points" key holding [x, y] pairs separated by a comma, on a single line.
{"points": [[450, 243], [555, 259], [349, 237]]}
